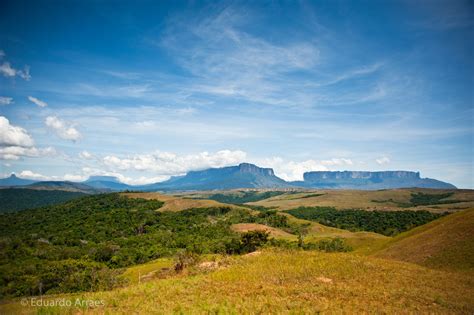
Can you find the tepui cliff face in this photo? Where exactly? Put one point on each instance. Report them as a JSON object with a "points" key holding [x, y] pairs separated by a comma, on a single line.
{"points": [[246, 175], [322, 175]]}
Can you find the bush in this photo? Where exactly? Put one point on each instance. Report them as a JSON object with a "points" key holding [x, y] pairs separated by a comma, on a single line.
{"points": [[249, 242], [185, 259]]}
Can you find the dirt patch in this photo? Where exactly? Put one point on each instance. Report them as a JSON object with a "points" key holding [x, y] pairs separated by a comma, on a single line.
{"points": [[255, 253], [324, 279]]}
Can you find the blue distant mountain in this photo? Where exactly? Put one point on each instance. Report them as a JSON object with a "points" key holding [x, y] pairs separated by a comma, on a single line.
{"points": [[369, 180], [13, 180], [248, 175], [107, 182], [244, 175]]}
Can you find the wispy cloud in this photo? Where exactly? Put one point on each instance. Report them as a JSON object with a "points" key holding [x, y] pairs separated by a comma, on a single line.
{"points": [[228, 61], [6, 100], [37, 101]]}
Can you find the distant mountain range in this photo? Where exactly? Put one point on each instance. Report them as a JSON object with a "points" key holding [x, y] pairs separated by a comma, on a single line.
{"points": [[244, 175]]}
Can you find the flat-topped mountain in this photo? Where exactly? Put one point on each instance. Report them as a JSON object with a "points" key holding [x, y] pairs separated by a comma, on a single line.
{"points": [[369, 180], [244, 175]]}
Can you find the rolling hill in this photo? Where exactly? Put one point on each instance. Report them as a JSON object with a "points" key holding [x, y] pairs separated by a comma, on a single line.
{"points": [[279, 282], [130, 247], [434, 200], [66, 186], [446, 243]]}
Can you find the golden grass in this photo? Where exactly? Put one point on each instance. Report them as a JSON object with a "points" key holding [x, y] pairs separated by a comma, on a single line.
{"points": [[446, 243], [145, 272], [289, 282], [361, 242], [364, 199], [174, 203]]}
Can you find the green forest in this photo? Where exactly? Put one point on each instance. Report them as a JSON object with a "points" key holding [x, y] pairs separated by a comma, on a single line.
{"points": [[244, 196], [388, 223], [81, 244], [85, 243], [15, 199]]}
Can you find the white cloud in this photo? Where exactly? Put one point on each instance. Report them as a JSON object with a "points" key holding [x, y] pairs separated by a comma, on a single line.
{"points": [[165, 163], [74, 178], [6, 100], [63, 129], [15, 142], [36, 176], [8, 71], [12, 135], [142, 180], [292, 171], [16, 152], [382, 160], [38, 102], [32, 175], [229, 61], [85, 155], [337, 162]]}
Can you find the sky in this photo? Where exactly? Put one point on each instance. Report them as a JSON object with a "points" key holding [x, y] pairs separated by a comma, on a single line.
{"points": [[144, 90]]}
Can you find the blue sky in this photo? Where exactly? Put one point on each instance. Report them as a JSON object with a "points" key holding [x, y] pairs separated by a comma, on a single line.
{"points": [[146, 90]]}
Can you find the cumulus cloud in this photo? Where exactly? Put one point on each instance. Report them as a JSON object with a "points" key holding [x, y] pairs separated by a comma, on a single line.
{"points": [[13, 135], [337, 162], [382, 160], [37, 176], [85, 155], [32, 175], [63, 129], [292, 171], [6, 100], [16, 152], [166, 163], [38, 102], [8, 71], [15, 142]]}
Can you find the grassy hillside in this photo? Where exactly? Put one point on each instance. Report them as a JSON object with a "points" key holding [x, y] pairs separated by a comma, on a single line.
{"points": [[16, 199], [177, 203], [432, 200], [288, 282], [203, 260], [447, 243]]}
